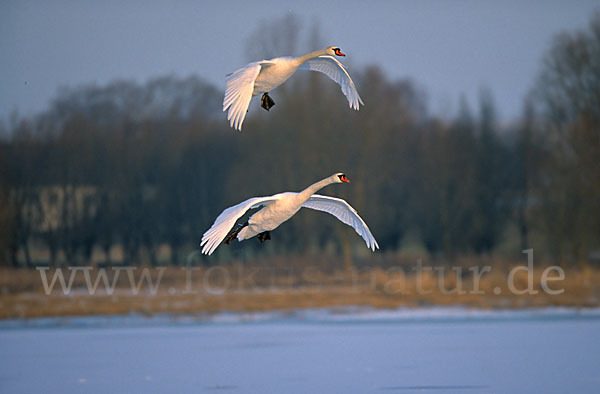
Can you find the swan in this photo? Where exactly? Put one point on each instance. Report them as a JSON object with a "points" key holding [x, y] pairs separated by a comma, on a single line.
{"points": [[265, 75], [279, 208]]}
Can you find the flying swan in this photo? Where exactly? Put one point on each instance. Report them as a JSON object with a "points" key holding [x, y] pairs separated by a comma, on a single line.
{"points": [[279, 208], [265, 75]]}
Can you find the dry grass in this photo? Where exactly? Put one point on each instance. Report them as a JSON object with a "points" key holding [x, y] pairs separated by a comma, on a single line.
{"points": [[293, 283]]}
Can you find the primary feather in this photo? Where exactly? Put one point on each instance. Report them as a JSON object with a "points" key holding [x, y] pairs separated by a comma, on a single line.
{"points": [[345, 213]]}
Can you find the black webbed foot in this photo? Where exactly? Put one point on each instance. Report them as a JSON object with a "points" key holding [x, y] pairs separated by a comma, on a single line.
{"points": [[235, 233], [262, 237], [266, 102]]}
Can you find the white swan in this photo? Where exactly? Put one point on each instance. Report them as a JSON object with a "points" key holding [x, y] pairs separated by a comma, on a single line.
{"points": [[265, 75], [279, 208]]}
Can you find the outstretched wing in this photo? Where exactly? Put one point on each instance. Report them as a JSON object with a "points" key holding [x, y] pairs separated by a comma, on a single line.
{"points": [[226, 220], [345, 213], [238, 92], [331, 67]]}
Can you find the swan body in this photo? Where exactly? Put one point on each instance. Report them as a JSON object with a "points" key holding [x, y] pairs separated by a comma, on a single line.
{"points": [[278, 209], [265, 75], [273, 73]]}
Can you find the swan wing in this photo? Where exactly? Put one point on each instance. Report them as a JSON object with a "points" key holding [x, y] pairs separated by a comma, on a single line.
{"points": [[335, 70], [345, 213], [238, 92], [226, 220]]}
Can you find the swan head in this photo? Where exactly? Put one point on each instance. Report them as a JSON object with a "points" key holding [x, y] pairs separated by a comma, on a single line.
{"points": [[334, 51], [340, 177]]}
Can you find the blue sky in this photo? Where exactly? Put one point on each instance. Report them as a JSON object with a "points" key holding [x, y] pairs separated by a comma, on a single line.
{"points": [[448, 48]]}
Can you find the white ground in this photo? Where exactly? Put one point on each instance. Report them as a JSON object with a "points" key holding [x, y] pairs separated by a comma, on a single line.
{"points": [[425, 351]]}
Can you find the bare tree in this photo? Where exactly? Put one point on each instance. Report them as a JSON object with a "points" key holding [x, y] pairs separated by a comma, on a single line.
{"points": [[568, 92]]}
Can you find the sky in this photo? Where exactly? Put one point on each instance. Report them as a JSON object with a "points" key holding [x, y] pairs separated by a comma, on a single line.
{"points": [[448, 48]]}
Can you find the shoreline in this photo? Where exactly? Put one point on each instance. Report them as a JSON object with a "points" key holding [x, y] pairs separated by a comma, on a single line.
{"points": [[217, 289], [340, 315], [38, 305]]}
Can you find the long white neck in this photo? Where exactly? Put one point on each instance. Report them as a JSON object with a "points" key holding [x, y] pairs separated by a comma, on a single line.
{"points": [[311, 55], [315, 187]]}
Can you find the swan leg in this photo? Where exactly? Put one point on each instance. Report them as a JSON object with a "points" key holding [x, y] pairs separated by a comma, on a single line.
{"points": [[266, 102], [235, 233], [262, 237]]}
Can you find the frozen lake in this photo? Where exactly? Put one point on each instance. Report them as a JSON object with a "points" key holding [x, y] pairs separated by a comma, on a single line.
{"points": [[425, 350]]}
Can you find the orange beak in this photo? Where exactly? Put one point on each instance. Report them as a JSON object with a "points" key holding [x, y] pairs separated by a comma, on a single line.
{"points": [[339, 53], [344, 179]]}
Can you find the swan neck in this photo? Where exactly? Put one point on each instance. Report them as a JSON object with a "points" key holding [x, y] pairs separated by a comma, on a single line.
{"points": [[310, 55], [315, 187]]}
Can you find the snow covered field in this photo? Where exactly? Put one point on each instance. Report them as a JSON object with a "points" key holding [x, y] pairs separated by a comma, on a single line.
{"points": [[351, 351]]}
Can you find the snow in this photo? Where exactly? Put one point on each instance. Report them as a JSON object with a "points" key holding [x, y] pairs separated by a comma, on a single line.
{"points": [[351, 350]]}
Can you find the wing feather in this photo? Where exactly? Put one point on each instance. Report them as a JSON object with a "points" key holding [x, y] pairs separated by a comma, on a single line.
{"points": [[335, 70], [238, 93], [345, 213], [226, 220]]}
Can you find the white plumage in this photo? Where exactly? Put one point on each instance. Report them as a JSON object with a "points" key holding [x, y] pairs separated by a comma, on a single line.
{"points": [[265, 75], [278, 209]]}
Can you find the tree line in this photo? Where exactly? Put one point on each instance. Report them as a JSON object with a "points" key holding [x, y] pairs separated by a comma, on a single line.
{"points": [[147, 167]]}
